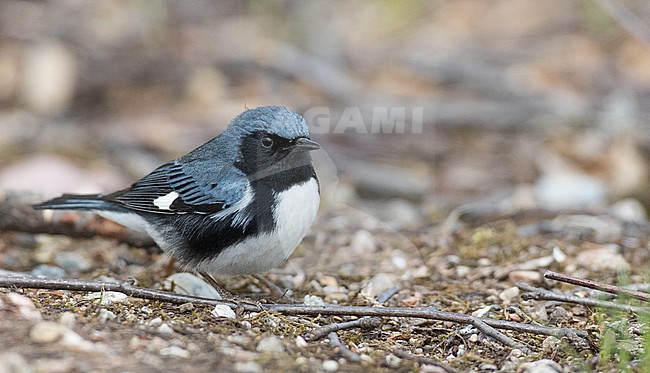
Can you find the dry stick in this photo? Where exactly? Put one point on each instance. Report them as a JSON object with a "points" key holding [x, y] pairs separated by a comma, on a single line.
{"points": [[543, 294], [491, 332], [423, 360], [286, 309], [366, 322], [597, 285], [343, 349]]}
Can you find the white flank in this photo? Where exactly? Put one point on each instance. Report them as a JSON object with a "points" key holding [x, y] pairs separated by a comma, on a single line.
{"points": [[239, 219], [165, 201], [294, 214]]}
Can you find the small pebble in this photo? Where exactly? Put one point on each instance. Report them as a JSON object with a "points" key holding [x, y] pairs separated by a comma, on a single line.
{"points": [[26, 307], [271, 345], [330, 366], [487, 367], [393, 361], [248, 367], [550, 344], [602, 259], [68, 319], [108, 297], [165, 329], [313, 300], [363, 242], [48, 271], [300, 342], [509, 294], [13, 362], [155, 322], [46, 332], [174, 351], [540, 366], [72, 262], [525, 276], [221, 310], [105, 315], [558, 255], [378, 284], [186, 307]]}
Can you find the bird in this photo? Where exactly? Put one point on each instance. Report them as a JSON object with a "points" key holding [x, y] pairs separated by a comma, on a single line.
{"points": [[239, 204]]}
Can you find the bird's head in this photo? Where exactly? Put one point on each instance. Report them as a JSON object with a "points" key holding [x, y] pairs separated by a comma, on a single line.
{"points": [[272, 139]]}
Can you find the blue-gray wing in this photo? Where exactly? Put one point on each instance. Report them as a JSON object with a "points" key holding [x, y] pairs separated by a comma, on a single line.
{"points": [[173, 189]]}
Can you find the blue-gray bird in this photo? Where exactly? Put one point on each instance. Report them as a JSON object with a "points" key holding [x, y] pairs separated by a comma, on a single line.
{"points": [[238, 204]]}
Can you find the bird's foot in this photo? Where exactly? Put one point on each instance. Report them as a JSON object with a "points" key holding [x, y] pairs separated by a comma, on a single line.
{"points": [[228, 296], [276, 291]]}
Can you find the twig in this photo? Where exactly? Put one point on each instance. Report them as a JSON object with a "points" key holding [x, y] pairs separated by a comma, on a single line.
{"points": [[343, 349], [286, 309], [612, 289], [368, 322], [626, 19], [423, 360], [497, 335], [543, 294]]}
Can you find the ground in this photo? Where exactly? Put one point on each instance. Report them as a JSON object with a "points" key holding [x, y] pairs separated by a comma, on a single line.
{"points": [[470, 268]]}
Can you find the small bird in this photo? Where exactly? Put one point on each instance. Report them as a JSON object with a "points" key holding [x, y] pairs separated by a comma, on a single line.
{"points": [[238, 204]]}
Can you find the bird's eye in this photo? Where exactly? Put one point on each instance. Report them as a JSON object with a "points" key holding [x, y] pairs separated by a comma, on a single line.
{"points": [[267, 142]]}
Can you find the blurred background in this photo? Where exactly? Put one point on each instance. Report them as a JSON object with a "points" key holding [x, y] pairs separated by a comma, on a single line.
{"points": [[522, 104]]}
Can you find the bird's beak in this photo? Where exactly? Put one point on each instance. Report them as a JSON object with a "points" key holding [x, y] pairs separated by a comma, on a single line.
{"points": [[306, 144]]}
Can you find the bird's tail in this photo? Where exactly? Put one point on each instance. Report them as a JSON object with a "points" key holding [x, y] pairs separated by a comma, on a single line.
{"points": [[75, 202]]}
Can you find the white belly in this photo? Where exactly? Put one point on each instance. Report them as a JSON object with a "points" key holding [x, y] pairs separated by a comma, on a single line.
{"points": [[294, 214]]}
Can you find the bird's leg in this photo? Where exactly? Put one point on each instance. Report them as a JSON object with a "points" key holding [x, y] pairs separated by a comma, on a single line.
{"points": [[225, 294], [275, 290]]}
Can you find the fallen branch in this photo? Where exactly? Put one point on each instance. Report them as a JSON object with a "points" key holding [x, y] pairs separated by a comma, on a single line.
{"points": [[286, 309], [532, 292], [612, 289], [497, 335], [368, 322], [343, 349]]}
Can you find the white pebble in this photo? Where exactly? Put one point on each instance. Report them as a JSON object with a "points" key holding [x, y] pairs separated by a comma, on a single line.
{"points": [[221, 310], [330, 366], [174, 351], [509, 294], [313, 300], [248, 367], [393, 361], [46, 332], [300, 342], [165, 329], [271, 345]]}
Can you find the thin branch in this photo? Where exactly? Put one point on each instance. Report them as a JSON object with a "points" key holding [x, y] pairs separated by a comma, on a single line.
{"points": [[286, 309], [343, 349], [497, 335], [612, 289], [368, 322], [543, 294], [403, 354], [626, 19]]}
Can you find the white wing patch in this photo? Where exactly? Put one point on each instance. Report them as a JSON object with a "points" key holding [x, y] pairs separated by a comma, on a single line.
{"points": [[165, 201]]}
